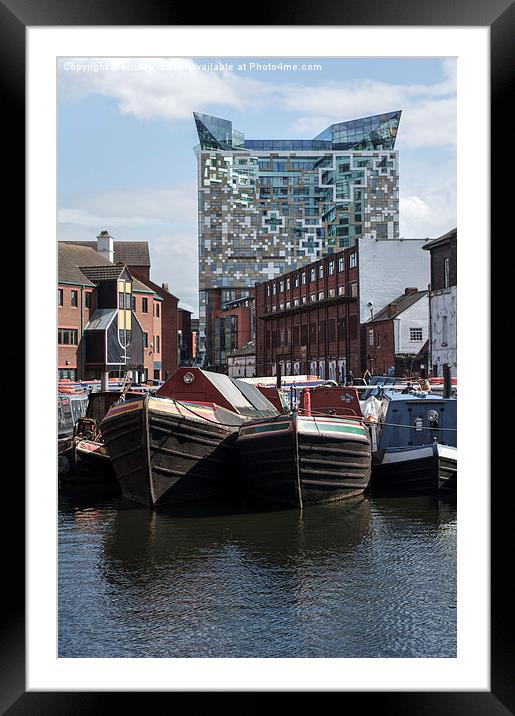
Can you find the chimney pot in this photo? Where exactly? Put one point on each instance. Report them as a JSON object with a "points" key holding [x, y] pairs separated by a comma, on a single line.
{"points": [[105, 245], [165, 286], [409, 291]]}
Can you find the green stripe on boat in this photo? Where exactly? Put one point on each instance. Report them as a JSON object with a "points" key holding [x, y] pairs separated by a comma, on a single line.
{"points": [[268, 427], [328, 427]]}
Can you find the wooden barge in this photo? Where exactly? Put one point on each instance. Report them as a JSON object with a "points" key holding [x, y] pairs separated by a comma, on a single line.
{"points": [[180, 445], [302, 458]]}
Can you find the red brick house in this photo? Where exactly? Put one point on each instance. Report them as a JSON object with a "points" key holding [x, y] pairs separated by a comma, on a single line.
{"points": [[78, 269], [395, 337]]}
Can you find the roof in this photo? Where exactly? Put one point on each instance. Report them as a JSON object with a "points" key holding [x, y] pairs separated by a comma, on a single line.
{"points": [[107, 271], [83, 265], [130, 253], [70, 259], [453, 233], [246, 350], [378, 131], [402, 303], [101, 319]]}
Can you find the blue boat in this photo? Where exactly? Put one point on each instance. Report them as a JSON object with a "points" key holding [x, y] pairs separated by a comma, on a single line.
{"points": [[414, 444]]}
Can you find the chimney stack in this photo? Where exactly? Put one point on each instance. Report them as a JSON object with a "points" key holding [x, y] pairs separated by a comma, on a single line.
{"points": [[392, 309], [165, 287], [105, 245], [409, 291]]}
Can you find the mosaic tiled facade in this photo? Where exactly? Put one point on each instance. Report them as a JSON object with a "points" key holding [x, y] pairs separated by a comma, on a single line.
{"points": [[269, 206]]}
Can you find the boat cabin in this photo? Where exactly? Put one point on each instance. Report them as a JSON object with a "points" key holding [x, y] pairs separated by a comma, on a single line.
{"points": [[409, 419], [202, 386]]}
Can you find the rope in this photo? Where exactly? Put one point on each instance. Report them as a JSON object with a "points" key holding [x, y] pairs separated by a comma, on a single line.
{"points": [[413, 427]]}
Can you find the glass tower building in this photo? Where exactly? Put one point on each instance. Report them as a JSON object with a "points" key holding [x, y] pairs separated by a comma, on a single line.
{"points": [[268, 206]]}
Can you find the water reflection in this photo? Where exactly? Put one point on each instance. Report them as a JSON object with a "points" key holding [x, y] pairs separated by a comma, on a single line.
{"points": [[375, 577]]}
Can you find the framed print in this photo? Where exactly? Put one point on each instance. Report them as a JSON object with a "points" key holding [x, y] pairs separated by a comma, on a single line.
{"points": [[49, 647]]}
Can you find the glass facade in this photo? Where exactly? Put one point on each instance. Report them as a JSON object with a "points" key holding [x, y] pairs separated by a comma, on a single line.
{"points": [[269, 206]]}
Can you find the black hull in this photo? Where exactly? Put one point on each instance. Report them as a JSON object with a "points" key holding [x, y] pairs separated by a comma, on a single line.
{"points": [[91, 468], [428, 473], [166, 459], [298, 470]]}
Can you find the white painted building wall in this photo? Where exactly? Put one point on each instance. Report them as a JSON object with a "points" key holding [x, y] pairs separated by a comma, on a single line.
{"points": [[443, 349], [241, 366], [416, 316], [386, 268]]}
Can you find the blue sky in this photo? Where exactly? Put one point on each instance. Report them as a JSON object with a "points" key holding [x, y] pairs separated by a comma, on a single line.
{"points": [[126, 136]]}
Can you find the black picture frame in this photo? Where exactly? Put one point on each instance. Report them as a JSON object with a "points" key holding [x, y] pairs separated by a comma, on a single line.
{"points": [[15, 17]]}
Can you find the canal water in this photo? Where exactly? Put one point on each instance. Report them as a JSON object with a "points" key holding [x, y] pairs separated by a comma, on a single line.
{"points": [[370, 578]]}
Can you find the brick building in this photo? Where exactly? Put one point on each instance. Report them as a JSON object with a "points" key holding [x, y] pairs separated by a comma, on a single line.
{"points": [[443, 349], [184, 337], [80, 270], [231, 324], [309, 320], [395, 337], [135, 255]]}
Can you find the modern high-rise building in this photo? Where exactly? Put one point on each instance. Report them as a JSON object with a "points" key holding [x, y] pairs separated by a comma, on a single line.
{"points": [[266, 207]]}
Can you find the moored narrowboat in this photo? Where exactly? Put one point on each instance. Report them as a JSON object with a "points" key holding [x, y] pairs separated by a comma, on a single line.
{"points": [[414, 444], [179, 445], [302, 458]]}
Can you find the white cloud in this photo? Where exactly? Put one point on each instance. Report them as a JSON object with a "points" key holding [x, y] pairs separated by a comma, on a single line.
{"points": [[150, 88], [171, 88]]}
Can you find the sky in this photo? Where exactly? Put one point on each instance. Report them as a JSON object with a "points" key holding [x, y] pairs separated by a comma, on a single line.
{"points": [[126, 135]]}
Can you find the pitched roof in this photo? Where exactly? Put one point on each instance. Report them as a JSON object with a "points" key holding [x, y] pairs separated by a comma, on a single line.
{"points": [[83, 265], [246, 350], [70, 258], [99, 273], [402, 303], [441, 239], [130, 253]]}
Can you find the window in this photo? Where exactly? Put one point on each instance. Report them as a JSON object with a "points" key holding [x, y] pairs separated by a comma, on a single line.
{"points": [[341, 290], [353, 289], [371, 337], [88, 298], [144, 305], [281, 287], [67, 374], [121, 300], [158, 344], [444, 330], [274, 289], [157, 310], [353, 262], [75, 298], [312, 297], [331, 293], [331, 268], [321, 271], [134, 303], [59, 296], [67, 336], [320, 295], [446, 270], [268, 290], [341, 264], [312, 275], [303, 278], [145, 340], [415, 334], [296, 281], [287, 284]]}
